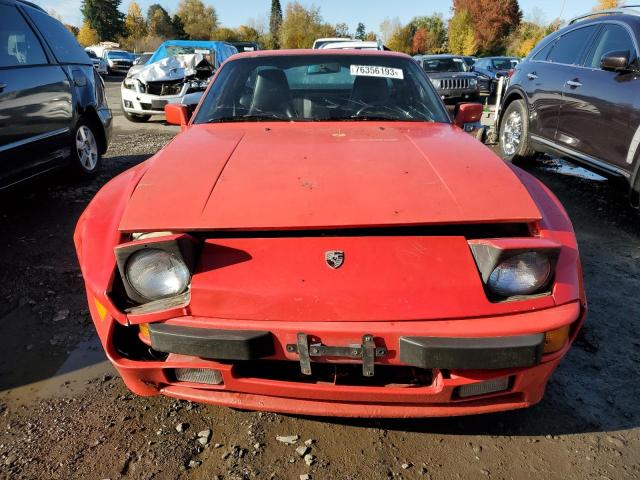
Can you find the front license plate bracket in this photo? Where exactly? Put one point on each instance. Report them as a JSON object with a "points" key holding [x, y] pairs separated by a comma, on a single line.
{"points": [[367, 351]]}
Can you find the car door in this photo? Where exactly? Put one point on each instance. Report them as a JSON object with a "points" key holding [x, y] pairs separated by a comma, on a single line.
{"points": [[598, 118], [543, 78], [35, 100]]}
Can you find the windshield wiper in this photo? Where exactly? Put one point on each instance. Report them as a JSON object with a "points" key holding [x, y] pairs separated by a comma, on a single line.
{"points": [[249, 118]]}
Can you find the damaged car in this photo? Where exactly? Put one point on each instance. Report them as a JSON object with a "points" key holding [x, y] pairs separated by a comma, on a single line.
{"points": [[176, 69], [322, 239]]}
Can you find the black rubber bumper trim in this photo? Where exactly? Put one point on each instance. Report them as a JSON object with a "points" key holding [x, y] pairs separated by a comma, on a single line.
{"points": [[212, 344], [472, 353]]}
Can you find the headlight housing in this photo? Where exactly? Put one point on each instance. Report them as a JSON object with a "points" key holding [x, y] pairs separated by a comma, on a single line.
{"points": [[129, 84], [511, 268], [521, 274], [156, 266], [156, 274], [436, 83], [473, 82]]}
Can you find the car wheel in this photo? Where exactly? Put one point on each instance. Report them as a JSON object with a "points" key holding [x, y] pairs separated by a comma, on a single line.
{"points": [[514, 134], [134, 117], [85, 150]]}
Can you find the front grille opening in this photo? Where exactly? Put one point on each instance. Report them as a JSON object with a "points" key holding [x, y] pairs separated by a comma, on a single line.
{"points": [[128, 345], [334, 374]]}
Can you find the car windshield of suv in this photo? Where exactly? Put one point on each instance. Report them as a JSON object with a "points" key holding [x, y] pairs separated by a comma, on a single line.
{"points": [[502, 64], [118, 55], [440, 65], [321, 88], [91, 54]]}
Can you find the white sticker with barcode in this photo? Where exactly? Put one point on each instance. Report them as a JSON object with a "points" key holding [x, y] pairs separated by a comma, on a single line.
{"points": [[375, 71]]}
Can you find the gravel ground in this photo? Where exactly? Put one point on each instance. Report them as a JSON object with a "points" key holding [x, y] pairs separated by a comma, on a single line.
{"points": [[65, 414]]}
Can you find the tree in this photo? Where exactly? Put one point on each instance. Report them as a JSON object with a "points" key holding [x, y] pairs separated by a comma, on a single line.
{"points": [[200, 22], [248, 34], [73, 29], [301, 26], [492, 21], [160, 24], [225, 34], [606, 5], [342, 30], [361, 31], [371, 37], [462, 40], [402, 39], [104, 17], [434, 34], [275, 23], [178, 28], [87, 35], [134, 23], [389, 27]]}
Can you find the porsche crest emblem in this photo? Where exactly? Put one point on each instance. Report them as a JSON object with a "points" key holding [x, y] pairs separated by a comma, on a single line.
{"points": [[334, 258]]}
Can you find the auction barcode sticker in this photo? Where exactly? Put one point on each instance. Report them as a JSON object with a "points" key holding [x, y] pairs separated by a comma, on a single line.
{"points": [[374, 71]]}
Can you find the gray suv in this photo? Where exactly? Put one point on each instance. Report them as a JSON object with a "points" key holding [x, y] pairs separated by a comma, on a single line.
{"points": [[577, 95], [450, 76], [53, 110]]}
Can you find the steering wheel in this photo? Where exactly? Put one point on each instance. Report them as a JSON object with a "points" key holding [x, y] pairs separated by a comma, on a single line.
{"points": [[381, 109]]}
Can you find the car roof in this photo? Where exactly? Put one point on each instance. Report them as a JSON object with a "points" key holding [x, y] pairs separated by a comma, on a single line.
{"points": [[318, 53], [29, 4], [441, 55]]}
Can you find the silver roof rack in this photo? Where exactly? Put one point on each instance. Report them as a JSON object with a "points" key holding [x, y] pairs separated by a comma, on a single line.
{"points": [[626, 9]]}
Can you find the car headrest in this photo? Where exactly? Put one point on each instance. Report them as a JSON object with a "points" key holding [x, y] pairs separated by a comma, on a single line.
{"points": [[272, 94], [370, 90]]}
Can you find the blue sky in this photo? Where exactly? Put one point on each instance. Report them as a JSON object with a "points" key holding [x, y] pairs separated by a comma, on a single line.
{"points": [[233, 13]]}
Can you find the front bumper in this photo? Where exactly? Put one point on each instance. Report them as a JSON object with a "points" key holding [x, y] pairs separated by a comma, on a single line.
{"points": [[465, 94], [146, 104], [507, 346]]}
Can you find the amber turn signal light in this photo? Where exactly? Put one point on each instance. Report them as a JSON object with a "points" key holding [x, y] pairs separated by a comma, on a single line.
{"points": [[556, 339], [144, 330]]}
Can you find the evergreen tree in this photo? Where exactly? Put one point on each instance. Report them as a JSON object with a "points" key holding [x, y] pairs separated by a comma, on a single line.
{"points": [[275, 22], [361, 31], [178, 27], [104, 17]]}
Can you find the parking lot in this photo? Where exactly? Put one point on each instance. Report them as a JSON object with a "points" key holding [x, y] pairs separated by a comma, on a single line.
{"points": [[66, 414]]}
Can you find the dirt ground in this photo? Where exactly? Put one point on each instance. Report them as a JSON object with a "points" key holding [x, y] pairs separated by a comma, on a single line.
{"points": [[65, 414]]}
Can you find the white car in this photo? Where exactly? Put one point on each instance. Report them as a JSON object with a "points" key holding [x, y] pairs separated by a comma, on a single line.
{"points": [[323, 41], [353, 45], [178, 68]]}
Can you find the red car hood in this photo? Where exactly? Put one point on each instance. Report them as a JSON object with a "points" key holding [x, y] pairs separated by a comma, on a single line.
{"points": [[311, 175]]}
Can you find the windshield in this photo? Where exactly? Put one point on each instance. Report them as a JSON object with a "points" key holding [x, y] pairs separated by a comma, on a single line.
{"points": [[91, 54], [435, 65], [321, 88], [502, 64], [123, 55]]}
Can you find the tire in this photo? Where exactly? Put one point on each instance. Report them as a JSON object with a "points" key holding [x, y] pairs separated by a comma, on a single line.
{"points": [[515, 145], [86, 159], [134, 117]]}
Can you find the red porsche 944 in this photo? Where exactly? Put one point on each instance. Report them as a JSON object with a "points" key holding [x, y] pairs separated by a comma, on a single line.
{"points": [[322, 239]]}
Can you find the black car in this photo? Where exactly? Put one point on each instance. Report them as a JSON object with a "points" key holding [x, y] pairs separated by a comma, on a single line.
{"points": [[53, 110], [577, 95], [246, 46], [450, 76], [490, 69]]}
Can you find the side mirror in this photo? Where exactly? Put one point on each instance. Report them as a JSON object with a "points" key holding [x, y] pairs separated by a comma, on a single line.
{"points": [[176, 114], [615, 61], [468, 113]]}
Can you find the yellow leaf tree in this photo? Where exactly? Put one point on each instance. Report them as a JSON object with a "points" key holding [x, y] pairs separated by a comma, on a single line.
{"points": [[200, 22], [301, 26], [462, 40], [87, 35], [606, 4], [134, 22]]}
